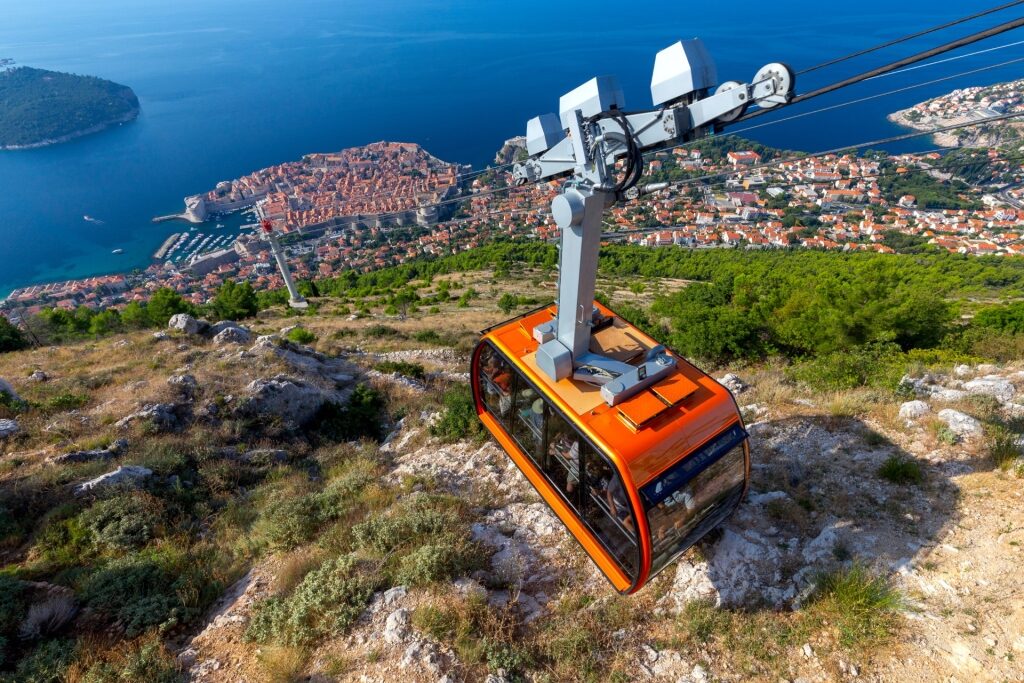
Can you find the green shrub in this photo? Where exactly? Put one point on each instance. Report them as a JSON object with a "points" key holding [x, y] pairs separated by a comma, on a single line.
{"points": [[359, 418], [47, 663], [13, 606], [147, 661], [458, 419], [410, 523], [861, 606], [290, 522], [327, 601], [11, 338], [65, 542], [66, 401], [432, 337], [300, 335], [901, 470], [1003, 448], [414, 370], [286, 523], [162, 589], [379, 331], [445, 558], [124, 522]]}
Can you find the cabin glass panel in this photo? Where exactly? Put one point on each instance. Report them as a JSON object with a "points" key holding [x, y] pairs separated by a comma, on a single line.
{"points": [[583, 477], [694, 496], [607, 511]]}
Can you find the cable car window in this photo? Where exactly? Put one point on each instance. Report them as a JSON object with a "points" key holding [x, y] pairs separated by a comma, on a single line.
{"points": [[496, 384], [607, 511], [694, 496], [562, 462], [528, 411]]}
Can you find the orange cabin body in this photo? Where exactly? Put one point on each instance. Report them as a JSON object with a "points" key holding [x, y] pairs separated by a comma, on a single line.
{"points": [[637, 483]]}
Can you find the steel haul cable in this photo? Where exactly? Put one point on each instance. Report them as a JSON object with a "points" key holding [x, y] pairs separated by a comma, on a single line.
{"points": [[897, 41], [898, 64]]}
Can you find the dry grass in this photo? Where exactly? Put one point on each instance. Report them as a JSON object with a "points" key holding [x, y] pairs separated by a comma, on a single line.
{"points": [[282, 664], [294, 568]]}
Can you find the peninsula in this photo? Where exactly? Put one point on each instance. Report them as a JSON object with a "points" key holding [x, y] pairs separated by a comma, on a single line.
{"points": [[969, 105], [41, 108]]}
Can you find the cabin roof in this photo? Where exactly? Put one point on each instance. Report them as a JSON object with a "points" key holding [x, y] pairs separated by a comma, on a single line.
{"points": [[646, 433]]}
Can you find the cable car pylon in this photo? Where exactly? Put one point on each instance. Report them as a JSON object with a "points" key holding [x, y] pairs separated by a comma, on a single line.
{"points": [[591, 133], [295, 300]]}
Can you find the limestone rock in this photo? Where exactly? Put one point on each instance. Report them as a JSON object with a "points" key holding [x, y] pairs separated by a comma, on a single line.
{"points": [[183, 322], [218, 327], [232, 335], [396, 628], [39, 376], [126, 474], [914, 410], [163, 416], [960, 423], [733, 383], [6, 388], [185, 384], [998, 387], [107, 453], [291, 399], [741, 569], [9, 428]]}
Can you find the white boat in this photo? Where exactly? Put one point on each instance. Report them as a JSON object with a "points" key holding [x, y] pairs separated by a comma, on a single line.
{"points": [[117, 251], [90, 219], [220, 225]]}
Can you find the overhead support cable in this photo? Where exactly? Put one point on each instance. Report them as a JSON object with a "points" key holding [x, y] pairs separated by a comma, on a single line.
{"points": [[903, 39], [898, 64], [846, 148], [879, 95]]}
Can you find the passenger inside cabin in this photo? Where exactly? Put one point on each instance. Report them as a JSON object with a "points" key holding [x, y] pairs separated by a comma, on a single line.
{"points": [[618, 503], [567, 449]]}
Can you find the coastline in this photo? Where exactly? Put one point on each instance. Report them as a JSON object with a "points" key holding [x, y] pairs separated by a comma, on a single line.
{"points": [[98, 128]]}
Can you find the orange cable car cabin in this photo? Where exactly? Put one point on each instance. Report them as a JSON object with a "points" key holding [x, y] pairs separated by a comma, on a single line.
{"points": [[636, 483]]}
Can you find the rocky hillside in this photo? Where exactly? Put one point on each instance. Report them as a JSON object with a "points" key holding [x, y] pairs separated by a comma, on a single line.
{"points": [[300, 498]]}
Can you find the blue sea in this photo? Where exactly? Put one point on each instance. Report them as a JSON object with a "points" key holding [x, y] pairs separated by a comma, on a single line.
{"points": [[229, 86]]}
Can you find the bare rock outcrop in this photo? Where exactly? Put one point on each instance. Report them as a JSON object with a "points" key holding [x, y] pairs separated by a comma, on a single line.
{"points": [[130, 475], [184, 323], [9, 428], [113, 450]]}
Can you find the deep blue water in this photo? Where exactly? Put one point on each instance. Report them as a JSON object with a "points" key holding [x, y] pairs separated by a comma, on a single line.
{"points": [[228, 86]]}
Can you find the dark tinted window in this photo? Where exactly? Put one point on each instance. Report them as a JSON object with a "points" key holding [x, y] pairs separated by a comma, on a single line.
{"points": [[570, 464], [694, 496], [495, 380], [607, 511]]}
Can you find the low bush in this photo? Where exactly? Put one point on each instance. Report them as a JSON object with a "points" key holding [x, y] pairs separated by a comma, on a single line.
{"points": [[901, 470], [65, 401], [300, 335], [458, 419], [381, 331], [47, 663], [162, 589], [414, 370], [146, 660], [125, 522], [359, 418], [290, 521], [13, 606], [1003, 448], [862, 607], [444, 558], [327, 601]]}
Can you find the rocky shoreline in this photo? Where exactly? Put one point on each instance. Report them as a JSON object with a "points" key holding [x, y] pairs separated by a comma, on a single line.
{"points": [[130, 116]]}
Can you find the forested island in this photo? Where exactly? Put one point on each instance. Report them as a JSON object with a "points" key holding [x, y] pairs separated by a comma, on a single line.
{"points": [[40, 107]]}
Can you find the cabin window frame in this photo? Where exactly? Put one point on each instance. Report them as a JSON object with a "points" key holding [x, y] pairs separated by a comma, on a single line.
{"points": [[577, 501]]}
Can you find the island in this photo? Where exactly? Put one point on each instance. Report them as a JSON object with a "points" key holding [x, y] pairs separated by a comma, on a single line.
{"points": [[40, 107]]}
